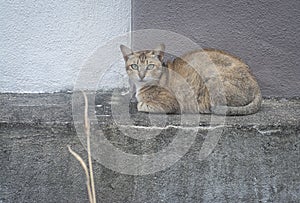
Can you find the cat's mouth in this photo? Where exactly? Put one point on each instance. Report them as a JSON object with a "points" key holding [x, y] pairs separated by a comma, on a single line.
{"points": [[143, 80]]}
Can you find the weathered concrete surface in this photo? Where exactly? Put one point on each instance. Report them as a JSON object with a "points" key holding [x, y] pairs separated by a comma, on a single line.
{"points": [[257, 158]]}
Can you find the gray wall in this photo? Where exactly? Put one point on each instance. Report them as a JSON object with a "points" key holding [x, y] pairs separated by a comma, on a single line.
{"points": [[265, 34]]}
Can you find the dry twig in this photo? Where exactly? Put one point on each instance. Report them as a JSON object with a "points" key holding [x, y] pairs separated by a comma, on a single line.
{"points": [[88, 170]]}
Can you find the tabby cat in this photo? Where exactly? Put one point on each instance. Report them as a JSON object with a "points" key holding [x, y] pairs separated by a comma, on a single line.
{"points": [[215, 81]]}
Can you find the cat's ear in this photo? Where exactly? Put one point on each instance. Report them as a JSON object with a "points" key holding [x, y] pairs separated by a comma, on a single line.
{"points": [[160, 51], [125, 51]]}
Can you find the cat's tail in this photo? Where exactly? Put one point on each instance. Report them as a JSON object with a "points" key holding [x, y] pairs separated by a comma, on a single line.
{"points": [[250, 108]]}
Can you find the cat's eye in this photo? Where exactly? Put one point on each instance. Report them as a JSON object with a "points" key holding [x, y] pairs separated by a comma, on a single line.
{"points": [[150, 66], [134, 66]]}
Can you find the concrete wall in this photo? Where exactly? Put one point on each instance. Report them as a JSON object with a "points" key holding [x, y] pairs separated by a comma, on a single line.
{"points": [[44, 43], [265, 34], [256, 158]]}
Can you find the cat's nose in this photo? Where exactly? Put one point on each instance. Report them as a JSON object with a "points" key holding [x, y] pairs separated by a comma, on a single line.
{"points": [[141, 76]]}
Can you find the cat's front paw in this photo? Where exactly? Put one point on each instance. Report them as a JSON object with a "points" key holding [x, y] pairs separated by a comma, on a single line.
{"points": [[146, 107]]}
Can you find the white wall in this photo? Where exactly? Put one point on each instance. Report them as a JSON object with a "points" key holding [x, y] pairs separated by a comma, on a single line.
{"points": [[44, 43]]}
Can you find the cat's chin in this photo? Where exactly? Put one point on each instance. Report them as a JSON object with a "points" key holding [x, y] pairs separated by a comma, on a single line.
{"points": [[143, 83], [140, 83]]}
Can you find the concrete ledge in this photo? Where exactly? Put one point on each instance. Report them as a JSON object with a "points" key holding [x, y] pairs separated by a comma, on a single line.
{"points": [[257, 158], [56, 108]]}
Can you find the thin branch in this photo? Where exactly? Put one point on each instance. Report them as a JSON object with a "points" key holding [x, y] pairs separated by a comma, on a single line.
{"points": [[83, 165], [88, 132], [88, 170]]}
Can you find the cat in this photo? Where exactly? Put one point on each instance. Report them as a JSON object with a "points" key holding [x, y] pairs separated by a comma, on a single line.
{"points": [[201, 81]]}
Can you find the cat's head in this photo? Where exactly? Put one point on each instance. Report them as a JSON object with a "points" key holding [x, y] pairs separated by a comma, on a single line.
{"points": [[144, 67]]}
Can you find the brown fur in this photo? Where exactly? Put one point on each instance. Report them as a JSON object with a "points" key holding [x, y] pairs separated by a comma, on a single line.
{"points": [[201, 81]]}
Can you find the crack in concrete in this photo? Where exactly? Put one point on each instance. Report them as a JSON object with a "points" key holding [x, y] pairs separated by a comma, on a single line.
{"points": [[174, 126], [266, 132]]}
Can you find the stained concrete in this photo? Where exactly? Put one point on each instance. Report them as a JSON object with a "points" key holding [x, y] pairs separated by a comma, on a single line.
{"points": [[257, 158]]}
